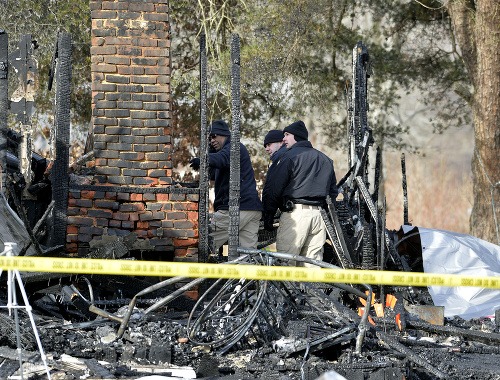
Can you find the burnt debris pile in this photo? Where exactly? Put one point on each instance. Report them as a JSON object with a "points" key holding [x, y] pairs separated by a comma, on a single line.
{"points": [[244, 328]]}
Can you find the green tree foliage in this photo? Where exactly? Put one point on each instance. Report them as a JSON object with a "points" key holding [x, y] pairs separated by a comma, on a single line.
{"points": [[189, 20], [296, 62]]}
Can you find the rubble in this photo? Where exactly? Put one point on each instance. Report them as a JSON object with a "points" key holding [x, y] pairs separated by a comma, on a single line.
{"points": [[246, 330]]}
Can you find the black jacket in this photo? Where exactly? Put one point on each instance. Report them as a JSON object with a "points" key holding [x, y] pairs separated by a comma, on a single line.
{"points": [[219, 166], [275, 157], [302, 175]]}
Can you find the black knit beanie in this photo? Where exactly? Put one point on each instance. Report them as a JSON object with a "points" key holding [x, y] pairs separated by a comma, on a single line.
{"points": [[274, 135], [220, 127], [298, 129]]}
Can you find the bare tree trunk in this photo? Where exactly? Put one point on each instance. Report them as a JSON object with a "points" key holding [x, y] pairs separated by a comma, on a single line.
{"points": [[476, 28]]}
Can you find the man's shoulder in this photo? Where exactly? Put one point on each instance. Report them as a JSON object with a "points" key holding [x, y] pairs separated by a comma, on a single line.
{"points": [[244, 151], [320, 153]]}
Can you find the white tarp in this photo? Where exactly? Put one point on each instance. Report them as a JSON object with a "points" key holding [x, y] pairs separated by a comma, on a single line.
{"points": [[453, 253]]}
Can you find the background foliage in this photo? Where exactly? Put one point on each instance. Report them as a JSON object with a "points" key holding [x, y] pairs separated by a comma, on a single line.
{"points": [[295, 64], [43, 19], [296, 61]]}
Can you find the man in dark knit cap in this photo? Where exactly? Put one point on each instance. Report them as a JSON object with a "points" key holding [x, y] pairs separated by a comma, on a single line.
{"points": [[273, 143], [302, 179], [250, 204]]}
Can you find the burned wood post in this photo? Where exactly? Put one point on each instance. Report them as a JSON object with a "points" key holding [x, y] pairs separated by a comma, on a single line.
{"points": [[22, 104], [234, 173], [359, 131], [4, 104], [59, 175], [405, 190], [357, 204], [203, 239], [19, 165]]}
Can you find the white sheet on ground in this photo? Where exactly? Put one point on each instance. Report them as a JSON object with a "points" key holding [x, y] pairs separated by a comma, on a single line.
{"points": [[453, 253]]}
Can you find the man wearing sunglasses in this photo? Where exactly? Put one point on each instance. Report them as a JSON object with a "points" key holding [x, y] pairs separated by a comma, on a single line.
{"points": [[250, 204]]}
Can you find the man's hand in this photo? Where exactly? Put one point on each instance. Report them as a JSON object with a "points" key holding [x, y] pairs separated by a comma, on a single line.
{"points": [[268, 222], [195, 163]]}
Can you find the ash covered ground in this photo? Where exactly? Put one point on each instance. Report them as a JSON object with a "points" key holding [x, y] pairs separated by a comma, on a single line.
{"points": [[281, 331]]}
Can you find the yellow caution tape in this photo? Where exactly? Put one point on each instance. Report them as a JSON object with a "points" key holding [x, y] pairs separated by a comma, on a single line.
{"points": [[255, 272]]}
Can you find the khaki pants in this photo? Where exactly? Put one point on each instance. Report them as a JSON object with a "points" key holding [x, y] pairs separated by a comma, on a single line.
{"points": [[248, 232], [302, 232]]}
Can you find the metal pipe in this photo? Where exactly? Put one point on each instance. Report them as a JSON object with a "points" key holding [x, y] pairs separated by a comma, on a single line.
{"points": [[124, 321], [292, 257]]}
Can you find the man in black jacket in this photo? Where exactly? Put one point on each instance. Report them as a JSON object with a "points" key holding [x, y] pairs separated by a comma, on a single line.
{"points": [[250, 204], [302, 179], [275, 147], [273, 143]]}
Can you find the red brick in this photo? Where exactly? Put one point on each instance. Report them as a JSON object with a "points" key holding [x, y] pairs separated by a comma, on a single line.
{"points": [[72, 248], [192, 251], [111, 195], [162, 197], [192, 215], [88, 194], [136, 197], [121, 216], [131, 38], [142, 225], [185, 242], [71, 229], [192, 206]]}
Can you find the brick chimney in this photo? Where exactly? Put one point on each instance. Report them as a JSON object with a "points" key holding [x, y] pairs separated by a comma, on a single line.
{"points": [[132, 200]]}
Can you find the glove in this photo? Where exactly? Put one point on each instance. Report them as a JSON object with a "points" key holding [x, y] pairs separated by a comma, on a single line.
{"points": [[195, 163], [268, 222]]}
